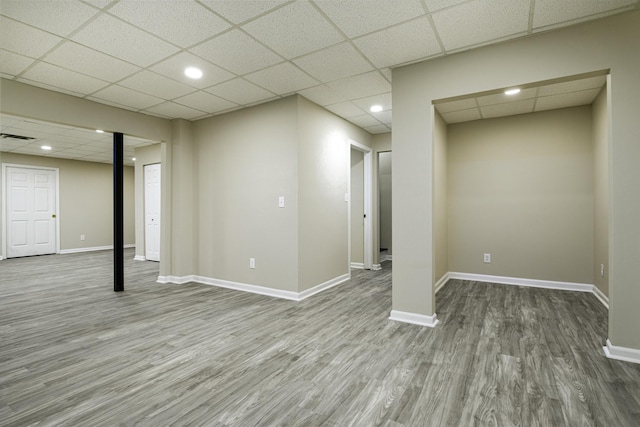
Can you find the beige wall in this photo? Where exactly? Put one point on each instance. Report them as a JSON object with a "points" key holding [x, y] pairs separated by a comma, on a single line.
{"points": [[357, 206], [86, 200], [384, 200], [381, 143], [521, 189], [440, 198], [601, 190], [605, 44], [147, 155]]}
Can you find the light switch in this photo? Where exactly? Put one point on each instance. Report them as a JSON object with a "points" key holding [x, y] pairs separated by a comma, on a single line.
{"points": [[281, 202]]}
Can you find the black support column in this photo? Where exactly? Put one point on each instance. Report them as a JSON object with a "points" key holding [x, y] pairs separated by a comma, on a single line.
{"points": [[118, 212]]}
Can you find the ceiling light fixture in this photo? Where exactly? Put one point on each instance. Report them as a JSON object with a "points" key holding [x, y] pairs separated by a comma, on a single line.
{"points": [[99, 131], [375, 108], [133, 158], [46, 147], [193, 72], [512, 91]]}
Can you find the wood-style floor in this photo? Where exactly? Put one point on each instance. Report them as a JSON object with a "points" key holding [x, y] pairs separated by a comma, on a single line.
{"points": [[74, 353]]}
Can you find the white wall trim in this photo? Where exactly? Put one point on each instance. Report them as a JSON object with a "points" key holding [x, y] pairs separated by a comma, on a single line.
{"points": [[443, 280], [1, 258], [139, 258], [255, 289], [358, 265], [414, 318], [621, 353], [376, 267], [93, 249], [601, 296]]}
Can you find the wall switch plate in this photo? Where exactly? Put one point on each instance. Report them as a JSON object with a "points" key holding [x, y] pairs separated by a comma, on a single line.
{"points": [[82, 237], [487, 258], [601, 270], [281, 202], [346, 197], [252, 263]]}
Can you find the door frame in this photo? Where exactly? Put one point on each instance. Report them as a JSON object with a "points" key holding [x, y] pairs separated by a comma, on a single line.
{"points": [[5, 214], [144, 207], [368, 203]]}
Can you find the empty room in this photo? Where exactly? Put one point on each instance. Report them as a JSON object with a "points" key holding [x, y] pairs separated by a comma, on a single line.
{"points": [[296, 212]]}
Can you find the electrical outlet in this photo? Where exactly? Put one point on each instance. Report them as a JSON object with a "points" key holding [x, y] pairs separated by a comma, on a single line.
{"points": [[252, 263], [601, 270], [82, 237], [487, 258], [281, 202]]}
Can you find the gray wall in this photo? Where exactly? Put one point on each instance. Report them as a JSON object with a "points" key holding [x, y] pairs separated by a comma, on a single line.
{"points": [[601, 146], [521, 189], [606, 44], [86, 200]]}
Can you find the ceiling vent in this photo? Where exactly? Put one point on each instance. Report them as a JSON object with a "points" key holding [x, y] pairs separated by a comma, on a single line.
{"points": [[9, 135]]}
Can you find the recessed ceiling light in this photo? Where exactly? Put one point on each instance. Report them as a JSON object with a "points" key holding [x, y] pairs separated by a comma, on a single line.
{"points": [[375, 108], [46, 147], [133, 158], [99, 131], [512, 91], [193, 72]]}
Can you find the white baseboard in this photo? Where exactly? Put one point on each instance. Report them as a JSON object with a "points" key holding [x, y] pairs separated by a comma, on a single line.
{"points": [[255, 289], [386, 257], [358, 265], [1, 258], [376, 267], [93, 249], [601, 296], [416, 319], [139, 258], [443, 280], [621, 353]]}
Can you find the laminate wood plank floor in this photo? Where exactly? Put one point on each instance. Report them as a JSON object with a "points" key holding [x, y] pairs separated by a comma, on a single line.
{"points": [[75, 353]]}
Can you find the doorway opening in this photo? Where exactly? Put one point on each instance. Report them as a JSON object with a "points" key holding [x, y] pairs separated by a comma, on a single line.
{"points": [[360, 207]]}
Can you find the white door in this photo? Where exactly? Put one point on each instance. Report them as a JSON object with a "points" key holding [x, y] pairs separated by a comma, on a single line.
{"points": [[152, 212], [31, 211]]}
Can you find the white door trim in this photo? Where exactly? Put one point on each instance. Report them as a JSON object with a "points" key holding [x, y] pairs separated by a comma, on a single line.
{"points": [[4, 213], [368, 199]]}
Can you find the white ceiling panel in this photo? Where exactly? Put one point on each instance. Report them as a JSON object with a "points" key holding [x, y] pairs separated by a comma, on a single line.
{"points": [[355, 20], [125, 96], [572, 99], [378, 129], [294, 30], [383, 116], [171, 109], [383, 99], [60, 17], [364, 121], [25, 40], [346, 109], [156, 85], [478, 22], [87, 61], [183, 23], [240, 91], [435, 5], [508, 108], [114, 37], [322, 95], [63, 78], [13, 63], [462, 116], [500, 98], [174, 68], [224, 51], [573, 86], [462, 104], [282, 79], [550, 12], [240, 11], [400, 44], [361, 86], [205, 101], [334, 63]]}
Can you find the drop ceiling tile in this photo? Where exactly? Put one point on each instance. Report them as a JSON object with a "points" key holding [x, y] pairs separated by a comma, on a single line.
{"points": [[240, 91], [345, 109], [334, 63], [463, 104], [282, 79], [322, 95], [508, 108], [462, 116], [125, 96], [117, 38], [383, 116], [156, 85], [65, 79], [482, 21], [572, 99], [183, 23], [224, 51], [82, 135], [550, 12], [364, 120], [383, 99], [500, 98], [386, 72], [60, 17], [205, 101], [240, 11], [87, 61], [294, 30], [20, 38], [174, 68], [434, 5], [361, 86], [573, 86], [171, 109], [100, 4], [12, 63], [355, 20], [116, 104], [377, 129]]}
